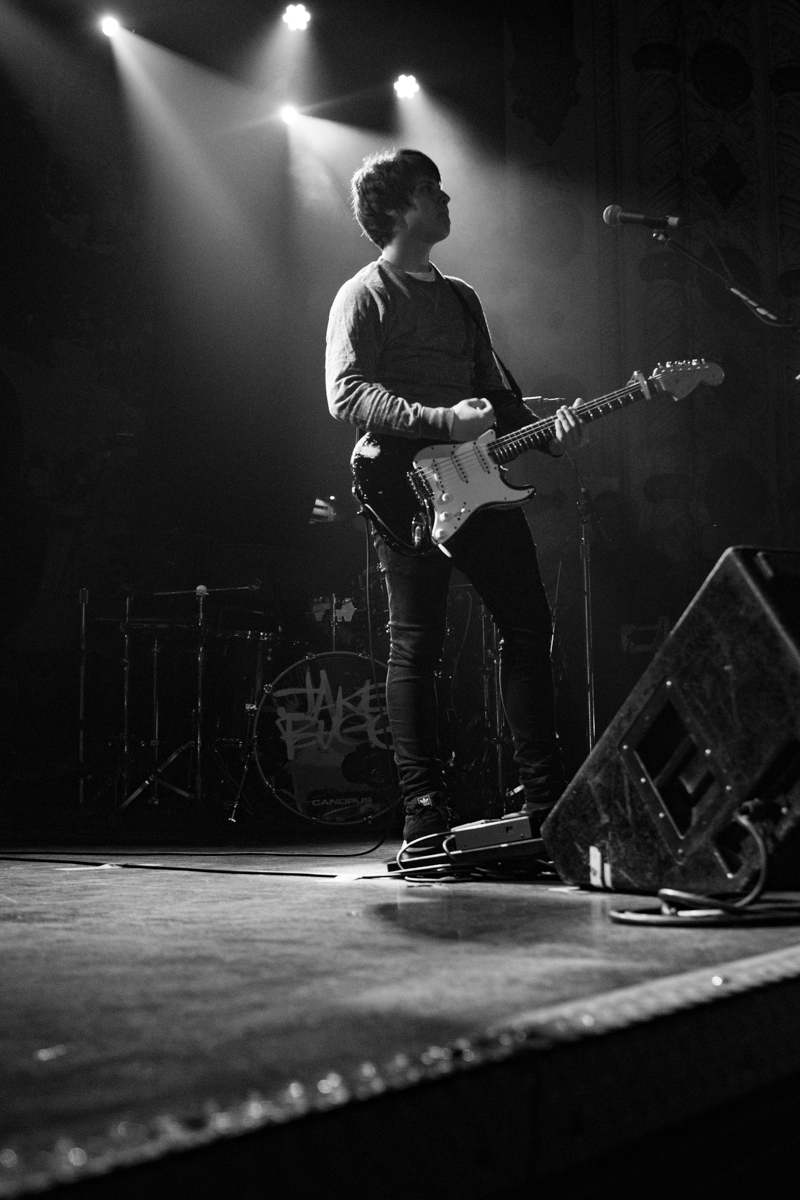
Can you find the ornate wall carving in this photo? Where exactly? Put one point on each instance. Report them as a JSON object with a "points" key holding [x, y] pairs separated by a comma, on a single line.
{"points": [[706, 150], [543, 74], [688, 107], [784, 82]]}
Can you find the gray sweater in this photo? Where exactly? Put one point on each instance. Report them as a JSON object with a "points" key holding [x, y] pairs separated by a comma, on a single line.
{"points": [[401, 352]]}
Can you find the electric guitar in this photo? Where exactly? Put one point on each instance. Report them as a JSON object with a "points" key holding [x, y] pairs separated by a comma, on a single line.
{"points": [[420, 495]]}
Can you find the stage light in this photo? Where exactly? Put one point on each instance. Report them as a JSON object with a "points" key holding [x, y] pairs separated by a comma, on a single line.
{"points": [[110, 26], [406, 86], [289, 114], [296, 16]]}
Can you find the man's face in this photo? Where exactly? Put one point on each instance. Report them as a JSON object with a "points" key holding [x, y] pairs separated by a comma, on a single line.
{"points": [[427, 218]]}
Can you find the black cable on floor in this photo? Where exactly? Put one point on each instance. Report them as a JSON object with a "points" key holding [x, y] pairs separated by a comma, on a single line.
{"points": [[159, 867]]}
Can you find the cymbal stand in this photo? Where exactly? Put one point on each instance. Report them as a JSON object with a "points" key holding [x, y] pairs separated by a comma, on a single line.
{"points": [[126, 696], [83, 601], [195, 747], [155, 740], [119, 781]]}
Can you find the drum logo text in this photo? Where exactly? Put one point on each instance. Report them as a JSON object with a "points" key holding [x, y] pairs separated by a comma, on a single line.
{"points": [[312, 717]]}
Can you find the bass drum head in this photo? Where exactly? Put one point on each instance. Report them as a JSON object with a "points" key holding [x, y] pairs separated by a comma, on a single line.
{"points": [[322, 745]]}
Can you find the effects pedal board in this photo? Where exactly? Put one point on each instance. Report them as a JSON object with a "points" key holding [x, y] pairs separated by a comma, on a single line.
{"points": [[508, 831], [479, 843]]}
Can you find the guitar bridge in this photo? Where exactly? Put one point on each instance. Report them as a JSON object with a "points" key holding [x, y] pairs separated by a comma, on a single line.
{"points": [[420, 486]]}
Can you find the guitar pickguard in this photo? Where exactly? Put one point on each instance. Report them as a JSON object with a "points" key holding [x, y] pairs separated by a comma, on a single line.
{"points": [[420, 494], [460, 478]]}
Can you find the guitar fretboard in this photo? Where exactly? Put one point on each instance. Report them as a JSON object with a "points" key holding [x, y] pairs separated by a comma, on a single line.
{"points": [[540, 433]]}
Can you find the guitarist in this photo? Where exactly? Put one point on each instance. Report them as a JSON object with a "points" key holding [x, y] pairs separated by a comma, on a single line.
{"points": [[404, 358]]}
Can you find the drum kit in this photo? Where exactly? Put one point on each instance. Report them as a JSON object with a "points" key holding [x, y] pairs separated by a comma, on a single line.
{"points": [[221, 706], [209, 713]]}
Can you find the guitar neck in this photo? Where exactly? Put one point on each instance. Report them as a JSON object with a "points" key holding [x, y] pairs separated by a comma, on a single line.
{"points": [[540, 433]]}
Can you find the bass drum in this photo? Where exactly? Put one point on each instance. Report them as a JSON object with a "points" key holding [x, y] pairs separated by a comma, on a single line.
{"points": [[322, 745]]}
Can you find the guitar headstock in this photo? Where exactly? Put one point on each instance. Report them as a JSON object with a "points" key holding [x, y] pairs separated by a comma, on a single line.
{"points": [[678, 379]]}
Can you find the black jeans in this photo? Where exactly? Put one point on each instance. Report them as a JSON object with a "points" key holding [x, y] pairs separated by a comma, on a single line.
{"points": [[496, 553]]}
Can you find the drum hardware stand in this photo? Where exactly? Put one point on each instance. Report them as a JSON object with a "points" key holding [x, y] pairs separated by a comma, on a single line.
{"points": [[195, 747], [126, 694], [251, 708], [249, 742], [333, 622], [119, 780], [338, 615], [155, 741], [83, 601]]}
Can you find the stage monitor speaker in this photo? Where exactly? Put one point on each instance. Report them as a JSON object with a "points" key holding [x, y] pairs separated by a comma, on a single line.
{"points": [[711, 729]]}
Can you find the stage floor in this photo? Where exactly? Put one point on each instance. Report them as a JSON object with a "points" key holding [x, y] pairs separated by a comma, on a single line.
{"points": [[154, 1001]]}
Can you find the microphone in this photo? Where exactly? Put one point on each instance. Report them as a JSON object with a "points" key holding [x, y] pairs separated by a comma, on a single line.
{"points": [[614, 215]]}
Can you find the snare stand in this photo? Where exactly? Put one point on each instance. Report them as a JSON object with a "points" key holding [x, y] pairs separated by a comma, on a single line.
{"points": [[249, 753]]}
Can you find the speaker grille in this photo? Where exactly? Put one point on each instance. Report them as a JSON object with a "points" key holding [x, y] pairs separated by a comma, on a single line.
{"points": [[712, 728]]}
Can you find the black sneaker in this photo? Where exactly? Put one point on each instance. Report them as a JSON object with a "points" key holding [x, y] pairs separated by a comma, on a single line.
{"points": [[537, 814], [427, 823]]}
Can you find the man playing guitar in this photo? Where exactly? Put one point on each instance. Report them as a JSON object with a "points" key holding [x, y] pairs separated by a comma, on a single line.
{"points": [[409, 356]]}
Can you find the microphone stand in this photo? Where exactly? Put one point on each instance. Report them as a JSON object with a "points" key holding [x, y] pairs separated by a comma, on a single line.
{"points": [[756, 306], [588, 514], [585, 513]]}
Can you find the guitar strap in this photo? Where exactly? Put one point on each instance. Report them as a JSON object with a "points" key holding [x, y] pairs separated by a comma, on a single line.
{"points": [[500, 399]]}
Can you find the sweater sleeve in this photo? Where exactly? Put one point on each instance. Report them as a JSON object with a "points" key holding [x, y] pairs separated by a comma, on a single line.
{"points": [[356, 332]]}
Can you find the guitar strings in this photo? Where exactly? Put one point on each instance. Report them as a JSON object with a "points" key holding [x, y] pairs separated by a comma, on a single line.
{"points": [[446, 468], [548, 424]]}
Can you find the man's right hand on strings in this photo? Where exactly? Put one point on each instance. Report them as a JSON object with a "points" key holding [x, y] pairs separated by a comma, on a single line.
{"points": [[471, 418]]}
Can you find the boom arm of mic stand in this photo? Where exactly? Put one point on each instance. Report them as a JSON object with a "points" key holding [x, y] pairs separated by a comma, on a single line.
{"points": [[757, 307]]}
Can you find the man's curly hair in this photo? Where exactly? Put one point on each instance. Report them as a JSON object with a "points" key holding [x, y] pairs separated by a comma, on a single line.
{"points": [[382, 185]]}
